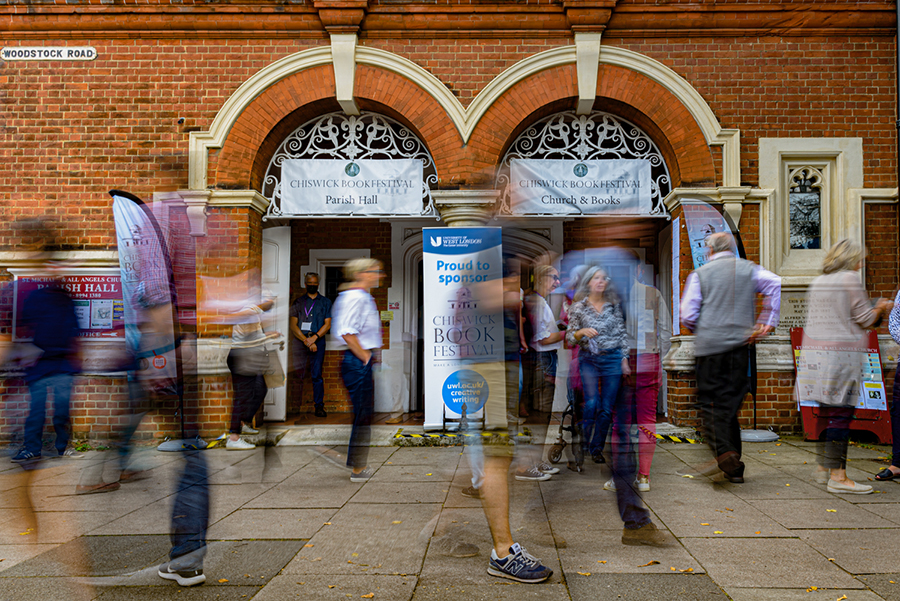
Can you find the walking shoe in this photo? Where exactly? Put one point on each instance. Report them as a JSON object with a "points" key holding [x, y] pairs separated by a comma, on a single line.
{"points": [[518, 566], [546, 468], [245, 429], [648, 534], [597, 456], [642, 482], [610, 485], [132, 475], [532, 474], [363, 476], [855, 489], [90, 489], [471, 492], [822, 476], [182, 577], [320, 412], [239, 445], [70, 453], [24, 456]]}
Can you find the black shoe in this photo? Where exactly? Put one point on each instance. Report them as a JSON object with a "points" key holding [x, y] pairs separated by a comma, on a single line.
{"points": [[735, 479], [182, 577], [320, 412], [597, 456]]}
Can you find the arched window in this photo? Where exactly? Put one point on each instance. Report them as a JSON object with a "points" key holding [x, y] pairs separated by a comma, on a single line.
{"points": [[345, 137], [596, 136]]}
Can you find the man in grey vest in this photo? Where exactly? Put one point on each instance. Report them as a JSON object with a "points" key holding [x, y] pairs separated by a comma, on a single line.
{"points": [[719, 306]]}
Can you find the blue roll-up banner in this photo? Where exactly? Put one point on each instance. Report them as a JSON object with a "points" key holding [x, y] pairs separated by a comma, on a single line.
{"points": [[464, 344]]}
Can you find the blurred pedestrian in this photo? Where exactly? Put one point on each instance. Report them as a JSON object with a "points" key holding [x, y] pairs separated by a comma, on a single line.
{"points": [[310, 320], [893, 470], [357, 321], [839, 313], [719, 306]]}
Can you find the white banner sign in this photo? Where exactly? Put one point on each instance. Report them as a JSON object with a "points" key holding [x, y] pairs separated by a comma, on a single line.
{"points": [[464, 343], [48, 53], [604, 187], [340, 187]]}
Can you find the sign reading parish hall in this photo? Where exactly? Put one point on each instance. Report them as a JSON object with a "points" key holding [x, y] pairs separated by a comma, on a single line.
{"points": [[345, 187], [569, 187]]}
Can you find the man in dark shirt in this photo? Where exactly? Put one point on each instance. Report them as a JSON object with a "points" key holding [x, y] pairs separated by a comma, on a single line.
{"points": [[48, 317], [310, 322]]}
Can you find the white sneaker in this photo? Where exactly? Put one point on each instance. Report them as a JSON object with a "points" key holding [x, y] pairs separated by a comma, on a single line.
{"points": [[642, 482], [610, 485], [245, 429], [239, 445], [532, 474], [546, 468]]}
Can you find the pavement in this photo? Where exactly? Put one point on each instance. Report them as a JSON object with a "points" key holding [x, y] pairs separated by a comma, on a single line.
{"points": [[286, 523]]}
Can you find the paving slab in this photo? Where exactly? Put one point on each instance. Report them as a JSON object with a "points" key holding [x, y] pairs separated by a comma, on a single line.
{"points": [[719, 515], [44, 589], [798, 594], [766, 563], [649, 587], [329, 587], [52, 527], [334, 435], [94, 556], [857, 551], [821, 513], [886, 586], [166, 593], [415, 473], [889, 511], [259, 524], [400, 492], [11, 555], [369, 539], [427, 456], [500, 590], [318, 484], [586, 555]]}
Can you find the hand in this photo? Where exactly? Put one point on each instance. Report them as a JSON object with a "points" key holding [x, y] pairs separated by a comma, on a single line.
{"points": [[626, 369], [312, 347], [587, 333], [884, 305], [760, 331]]}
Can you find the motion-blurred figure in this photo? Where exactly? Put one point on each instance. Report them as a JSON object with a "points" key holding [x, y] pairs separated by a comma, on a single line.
{"points": [[719, 306], [893, 470], [839, 313], [357, 321]]}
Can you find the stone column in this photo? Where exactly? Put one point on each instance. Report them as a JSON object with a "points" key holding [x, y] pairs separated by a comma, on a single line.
{"points": [[466, 208]]}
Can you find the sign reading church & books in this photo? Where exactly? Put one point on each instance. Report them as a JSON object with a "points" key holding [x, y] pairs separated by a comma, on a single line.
{"points": [[359, 187]]}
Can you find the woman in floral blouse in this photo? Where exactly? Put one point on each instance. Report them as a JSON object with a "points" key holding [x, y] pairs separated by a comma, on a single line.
{"points": [[597, 326]]}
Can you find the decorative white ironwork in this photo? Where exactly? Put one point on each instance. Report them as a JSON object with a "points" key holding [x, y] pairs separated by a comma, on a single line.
{"points": [[345, 137], [596, 136]]}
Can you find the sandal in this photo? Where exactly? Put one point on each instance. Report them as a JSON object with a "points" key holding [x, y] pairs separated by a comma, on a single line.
{"points": [[886, 474]]}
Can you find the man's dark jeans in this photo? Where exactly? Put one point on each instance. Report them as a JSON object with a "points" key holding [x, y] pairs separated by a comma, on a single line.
{"points": [[190, 513], [360, 384], [61, 387], [311, 363]]}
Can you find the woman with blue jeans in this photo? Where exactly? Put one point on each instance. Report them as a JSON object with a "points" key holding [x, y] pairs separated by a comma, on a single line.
{"points": [[597, 326], [357, 321]]}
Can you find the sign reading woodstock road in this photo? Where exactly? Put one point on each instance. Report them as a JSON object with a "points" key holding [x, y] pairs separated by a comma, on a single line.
{"points": [[48, 53], [603, 187], [344, 187]]}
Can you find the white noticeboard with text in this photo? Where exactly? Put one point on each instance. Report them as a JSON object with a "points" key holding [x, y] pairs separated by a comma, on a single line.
{"points": [[568, 187], [463, 322], [360, 187]]}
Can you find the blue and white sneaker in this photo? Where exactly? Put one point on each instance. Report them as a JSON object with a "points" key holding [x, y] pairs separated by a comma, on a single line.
{"points": [[518, 566], [184, 577], [24, 456]]}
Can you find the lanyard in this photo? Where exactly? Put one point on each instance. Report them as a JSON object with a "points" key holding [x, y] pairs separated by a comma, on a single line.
{"points": [[308, 311]]}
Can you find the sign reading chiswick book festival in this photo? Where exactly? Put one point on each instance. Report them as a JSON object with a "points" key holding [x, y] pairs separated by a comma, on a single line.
{"points": [[344, 187], [602, 187], [463, 323]]}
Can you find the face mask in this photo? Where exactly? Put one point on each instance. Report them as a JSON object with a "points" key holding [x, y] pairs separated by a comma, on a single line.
{"points": [[312, 288]]}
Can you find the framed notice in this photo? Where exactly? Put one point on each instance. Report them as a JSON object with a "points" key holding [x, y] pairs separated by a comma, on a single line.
{"points": [[97, 294]]}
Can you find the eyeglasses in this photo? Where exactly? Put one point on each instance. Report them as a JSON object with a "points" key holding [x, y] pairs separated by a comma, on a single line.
{"points": [[374, 271], [555, 278]]}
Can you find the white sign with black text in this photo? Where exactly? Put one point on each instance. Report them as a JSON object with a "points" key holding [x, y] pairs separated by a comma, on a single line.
{"points": [[48, 53], [343, 187], [567, 187]]}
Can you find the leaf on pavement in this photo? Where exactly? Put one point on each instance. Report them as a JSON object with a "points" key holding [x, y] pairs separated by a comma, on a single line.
{"points": [[831, 510], [601, 561], [223, 579], [687, 570], [585, 573], [704, 524], [650, 563], [397, 522], [367, 596], [308, 545]]}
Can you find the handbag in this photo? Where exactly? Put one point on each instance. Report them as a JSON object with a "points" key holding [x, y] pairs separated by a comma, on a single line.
{"points": [[274, 374]]}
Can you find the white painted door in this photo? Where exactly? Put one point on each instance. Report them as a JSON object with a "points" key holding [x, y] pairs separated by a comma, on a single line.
{"points": [[276, 275]]}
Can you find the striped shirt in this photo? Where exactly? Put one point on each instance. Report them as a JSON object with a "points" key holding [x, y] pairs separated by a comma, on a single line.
{"points": [[894, 320]]}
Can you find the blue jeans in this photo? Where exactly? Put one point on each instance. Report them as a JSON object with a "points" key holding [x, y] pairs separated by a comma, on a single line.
{"points": [[631, 508], [190, 513], [61, 385], [312, 362], [601, 376], [360, 384]]}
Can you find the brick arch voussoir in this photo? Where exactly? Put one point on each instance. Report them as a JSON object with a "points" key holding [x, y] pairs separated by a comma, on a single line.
{"points": [[398, 97], [236, 159]]}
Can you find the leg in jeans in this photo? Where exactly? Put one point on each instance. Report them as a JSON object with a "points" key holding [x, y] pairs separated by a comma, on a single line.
{"points": [[37, 413], [257, 391], [895, 421], [358, 380], [647, 380], [318, 360], [609, 367], [590, 379], [61, 384], [631, 509], [190, 514]]}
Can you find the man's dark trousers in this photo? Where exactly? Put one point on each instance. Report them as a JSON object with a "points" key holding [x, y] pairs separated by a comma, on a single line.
{"points": [[311, 363], [723, 381]]}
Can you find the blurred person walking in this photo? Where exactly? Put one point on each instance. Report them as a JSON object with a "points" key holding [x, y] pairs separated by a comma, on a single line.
{"points": [[839, 313], [597, 327], [310, 320], [719, 306], [893, 470], [357, 321]]}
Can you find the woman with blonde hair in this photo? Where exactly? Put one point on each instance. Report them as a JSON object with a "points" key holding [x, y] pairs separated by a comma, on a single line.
{"points": [[839, 313], [356, 320]]}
